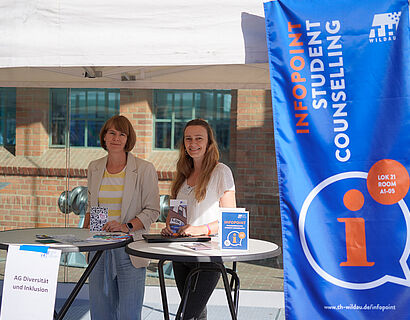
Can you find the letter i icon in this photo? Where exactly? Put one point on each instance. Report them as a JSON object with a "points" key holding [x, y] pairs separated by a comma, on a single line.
{"points": [[355, 232]]}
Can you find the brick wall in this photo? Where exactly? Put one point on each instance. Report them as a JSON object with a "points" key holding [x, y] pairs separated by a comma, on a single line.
{"points": [[32, 107], [31, 201], [136, 105]]}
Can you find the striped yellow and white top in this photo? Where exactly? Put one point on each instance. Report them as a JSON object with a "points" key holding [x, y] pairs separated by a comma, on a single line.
{"points": [[111, 191]]}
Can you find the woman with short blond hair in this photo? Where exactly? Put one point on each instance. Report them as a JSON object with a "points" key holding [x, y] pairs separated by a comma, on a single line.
{"points": [[128, 187]]}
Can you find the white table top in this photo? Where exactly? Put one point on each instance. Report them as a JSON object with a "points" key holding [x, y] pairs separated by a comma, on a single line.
{"points": [[28, 236], [176, 251]]}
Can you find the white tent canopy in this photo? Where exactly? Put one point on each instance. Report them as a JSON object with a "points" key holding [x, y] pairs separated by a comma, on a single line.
{"points": [[129, 43]]}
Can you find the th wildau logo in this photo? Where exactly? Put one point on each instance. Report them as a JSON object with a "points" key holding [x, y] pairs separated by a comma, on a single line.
{"points": [[384, 27]]}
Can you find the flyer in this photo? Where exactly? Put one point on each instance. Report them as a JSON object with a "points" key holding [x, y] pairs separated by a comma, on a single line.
{"points": [[109, 236], [98, 218], [233, 229], [177, 215]]}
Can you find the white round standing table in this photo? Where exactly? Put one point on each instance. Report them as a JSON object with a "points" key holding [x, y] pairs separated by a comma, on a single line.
{"points": [[28, 237], [176, 251]]}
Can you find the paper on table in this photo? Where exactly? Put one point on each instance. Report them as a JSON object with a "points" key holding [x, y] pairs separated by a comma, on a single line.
{"points": [[197, 246], [109, 237]]}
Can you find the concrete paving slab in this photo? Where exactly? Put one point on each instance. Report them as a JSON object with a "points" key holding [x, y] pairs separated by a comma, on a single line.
{"points": [[261, 305]]}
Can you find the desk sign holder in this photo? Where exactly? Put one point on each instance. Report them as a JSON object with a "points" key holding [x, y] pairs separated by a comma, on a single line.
{"points": [[233, 229], [30, 282]]}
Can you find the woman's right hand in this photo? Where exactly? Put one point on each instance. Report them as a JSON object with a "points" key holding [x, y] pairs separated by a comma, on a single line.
{"points": [[166, 231]]}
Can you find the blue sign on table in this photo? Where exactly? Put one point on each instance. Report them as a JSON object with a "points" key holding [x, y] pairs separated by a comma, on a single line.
{"points": [[340, 77], [234, 231]]}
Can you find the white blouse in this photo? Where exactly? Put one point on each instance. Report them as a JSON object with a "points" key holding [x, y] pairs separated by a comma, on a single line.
{"points": [[206, 211]]}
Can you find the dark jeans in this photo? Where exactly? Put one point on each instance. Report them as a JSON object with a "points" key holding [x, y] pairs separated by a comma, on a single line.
{"points": [[204, 286]]}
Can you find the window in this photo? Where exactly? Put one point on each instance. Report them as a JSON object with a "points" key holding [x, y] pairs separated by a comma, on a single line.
{"points": [[8, 117], [90, 108], [174, 108]]}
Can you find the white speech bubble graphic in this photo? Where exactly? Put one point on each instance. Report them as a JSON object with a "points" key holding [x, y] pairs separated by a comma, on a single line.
{"points": [[334, 280], [230, 243]]}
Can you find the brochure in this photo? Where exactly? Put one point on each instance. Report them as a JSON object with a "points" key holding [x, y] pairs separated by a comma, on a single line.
{"points": [[57, 238], [177, 215], [67, 238], [98, 218], [233, 229], [45, 239], [109, 236]]}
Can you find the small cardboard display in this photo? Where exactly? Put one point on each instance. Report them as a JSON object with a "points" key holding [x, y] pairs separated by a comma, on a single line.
{"points": [[233, 229]]}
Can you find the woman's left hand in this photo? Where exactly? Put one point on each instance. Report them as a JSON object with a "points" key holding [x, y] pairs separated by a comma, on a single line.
{"points": [[189, 230], [113, 226]]}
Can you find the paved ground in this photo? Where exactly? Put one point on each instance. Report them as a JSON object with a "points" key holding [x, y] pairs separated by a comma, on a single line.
{"points": [[259, 275], [252, 276], [261, 294], [253, 305]]}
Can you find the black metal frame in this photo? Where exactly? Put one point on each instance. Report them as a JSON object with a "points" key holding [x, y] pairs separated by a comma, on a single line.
{"points": [[234, 286], [99, 248], [60, 315]]}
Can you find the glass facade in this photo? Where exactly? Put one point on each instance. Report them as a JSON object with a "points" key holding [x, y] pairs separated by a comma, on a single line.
{"points": [[89, 109], [173, 108], [8, 117]]}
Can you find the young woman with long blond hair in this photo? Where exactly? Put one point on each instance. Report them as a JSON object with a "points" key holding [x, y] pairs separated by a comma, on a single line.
{"points": [[206, 184]]}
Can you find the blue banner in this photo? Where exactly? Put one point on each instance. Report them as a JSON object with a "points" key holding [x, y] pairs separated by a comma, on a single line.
{"points": [[340, 76]]}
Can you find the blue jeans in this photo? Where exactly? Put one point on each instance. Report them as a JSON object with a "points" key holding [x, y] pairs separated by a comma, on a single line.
{"points": [[116, 287]]}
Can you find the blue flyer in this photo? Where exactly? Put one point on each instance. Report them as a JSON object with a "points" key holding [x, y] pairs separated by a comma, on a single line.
{"points": [[234, 229]]}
